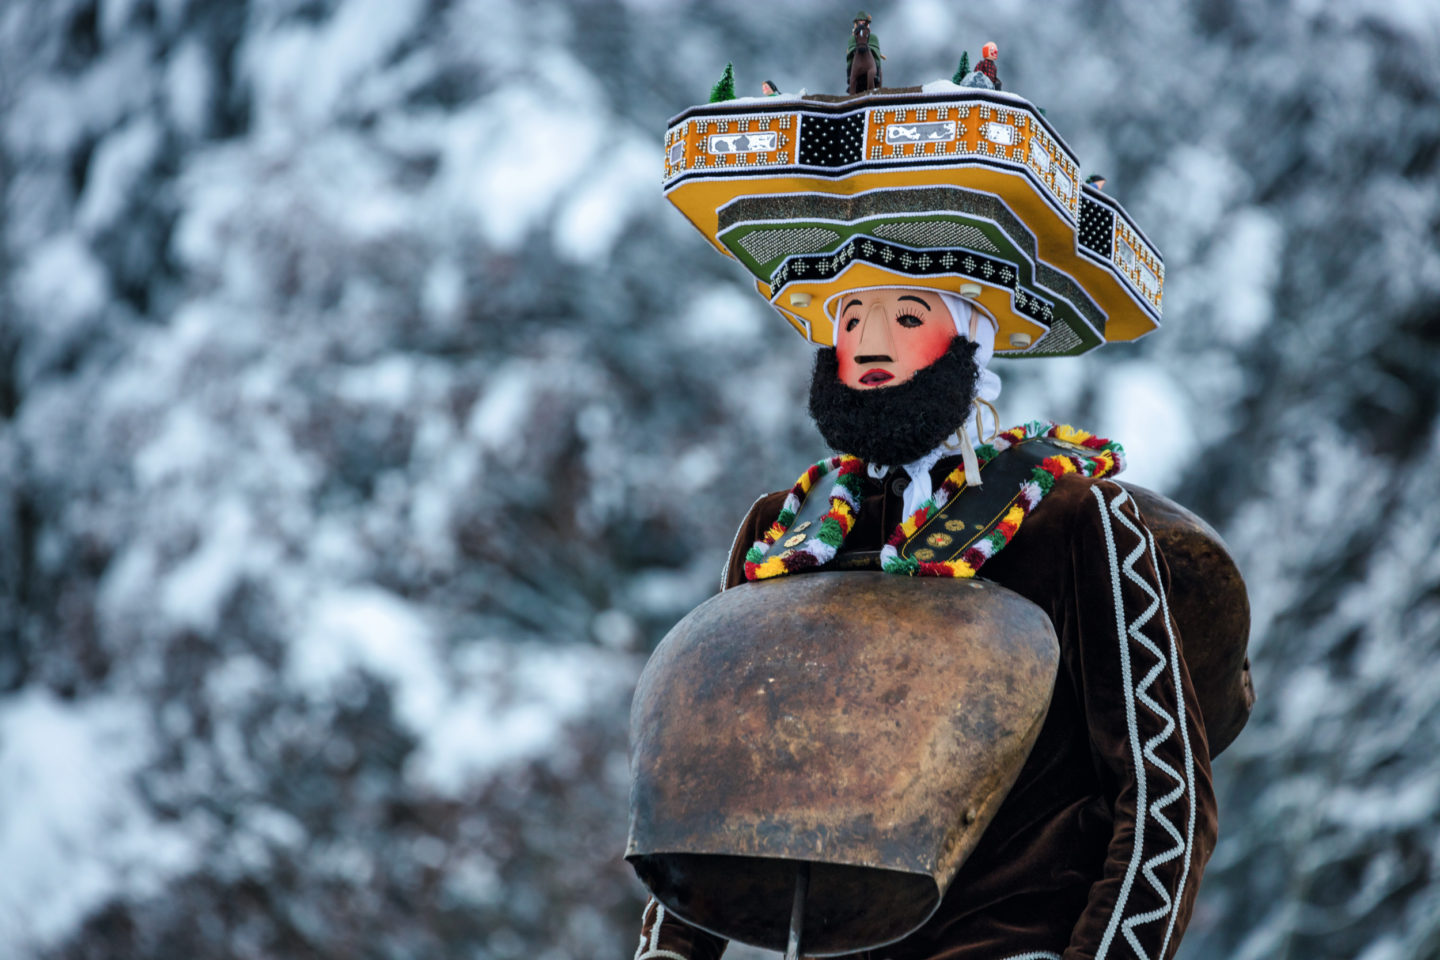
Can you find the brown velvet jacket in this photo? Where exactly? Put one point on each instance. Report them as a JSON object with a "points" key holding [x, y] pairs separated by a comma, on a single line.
{"points": [[1098, 849]]}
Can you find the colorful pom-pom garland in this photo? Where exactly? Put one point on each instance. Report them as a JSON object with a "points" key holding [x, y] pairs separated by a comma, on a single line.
{"points": [[1108, 458], [821, 547]]}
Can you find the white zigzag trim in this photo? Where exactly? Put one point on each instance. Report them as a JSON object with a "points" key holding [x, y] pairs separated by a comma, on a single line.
{"points": [[1133, 631], [1141, 693], [1041, 955], [1184, 739], [1131, 725]]}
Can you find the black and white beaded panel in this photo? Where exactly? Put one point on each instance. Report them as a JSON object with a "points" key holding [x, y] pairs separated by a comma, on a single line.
{"points": [[917, 263], [1097, 227], [832, 141], [768, 245]]}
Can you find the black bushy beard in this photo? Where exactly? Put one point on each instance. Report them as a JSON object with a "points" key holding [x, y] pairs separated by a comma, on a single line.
{"points": [[899, 424]]}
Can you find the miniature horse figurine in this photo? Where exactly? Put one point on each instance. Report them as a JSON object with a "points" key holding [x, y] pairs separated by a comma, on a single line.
{"points": [[864, 68]]}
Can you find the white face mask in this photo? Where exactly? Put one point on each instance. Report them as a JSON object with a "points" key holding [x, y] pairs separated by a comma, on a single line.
{"points": [[962, 311]]}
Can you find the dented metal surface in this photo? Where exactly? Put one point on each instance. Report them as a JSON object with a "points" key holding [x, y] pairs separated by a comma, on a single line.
{"points": [[768, 729]]}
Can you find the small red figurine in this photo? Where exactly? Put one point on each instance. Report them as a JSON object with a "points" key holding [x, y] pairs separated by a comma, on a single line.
{"points": [[989, 53]]}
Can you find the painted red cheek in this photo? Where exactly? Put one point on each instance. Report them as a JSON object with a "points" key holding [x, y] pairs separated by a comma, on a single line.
{"points": [[912, 349], [926, 345]]}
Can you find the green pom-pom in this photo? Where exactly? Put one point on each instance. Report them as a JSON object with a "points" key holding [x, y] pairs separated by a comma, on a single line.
{"points": [[830, 534], [963, 70], [724, 88], [906, 566]]}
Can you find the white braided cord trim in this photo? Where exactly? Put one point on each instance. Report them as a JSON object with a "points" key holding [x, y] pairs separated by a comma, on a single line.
{"points": [[652, 949], [1126, 631], [1164, 662], [1120, 629], [641, 948], [1184, 739], [664, 954]]}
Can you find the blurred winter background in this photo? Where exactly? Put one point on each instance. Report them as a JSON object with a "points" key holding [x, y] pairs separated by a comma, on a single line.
{"points": [[366, 416]]}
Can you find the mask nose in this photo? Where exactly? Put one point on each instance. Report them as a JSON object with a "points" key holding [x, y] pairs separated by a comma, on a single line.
{"points": [[875, 335]]}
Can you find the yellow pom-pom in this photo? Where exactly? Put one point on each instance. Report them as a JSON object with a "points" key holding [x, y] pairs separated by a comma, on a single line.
{"points": [[772, 567]]}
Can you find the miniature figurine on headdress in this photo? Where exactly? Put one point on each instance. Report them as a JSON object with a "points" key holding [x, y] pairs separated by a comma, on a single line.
{"points": [[862, 71], [984, 76], [941, 703], [988, 55]]}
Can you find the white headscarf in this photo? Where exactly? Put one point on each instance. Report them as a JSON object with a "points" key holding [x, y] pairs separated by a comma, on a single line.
{"points": [[988, 386]]}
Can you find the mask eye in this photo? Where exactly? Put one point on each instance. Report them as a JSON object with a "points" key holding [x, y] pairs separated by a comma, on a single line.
{"points": [[851, 323], [909, 320]]}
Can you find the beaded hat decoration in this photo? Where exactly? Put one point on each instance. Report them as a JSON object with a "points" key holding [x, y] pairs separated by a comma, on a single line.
{"points": [[949, 187]]}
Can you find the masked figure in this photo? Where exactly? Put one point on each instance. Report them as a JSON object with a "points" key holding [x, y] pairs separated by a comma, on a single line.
{"points": [[860, 33], [914, 239]]}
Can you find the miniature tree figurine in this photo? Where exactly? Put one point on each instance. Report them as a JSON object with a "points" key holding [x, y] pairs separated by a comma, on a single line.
{"points": [[962, 71], [724, 88]]}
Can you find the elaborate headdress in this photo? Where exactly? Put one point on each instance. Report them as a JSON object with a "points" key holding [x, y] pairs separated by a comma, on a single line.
{"points": [[959, 189]]}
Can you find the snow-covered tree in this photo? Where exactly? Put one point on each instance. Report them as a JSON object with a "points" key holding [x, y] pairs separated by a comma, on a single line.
{"points": [[963, 70]]}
